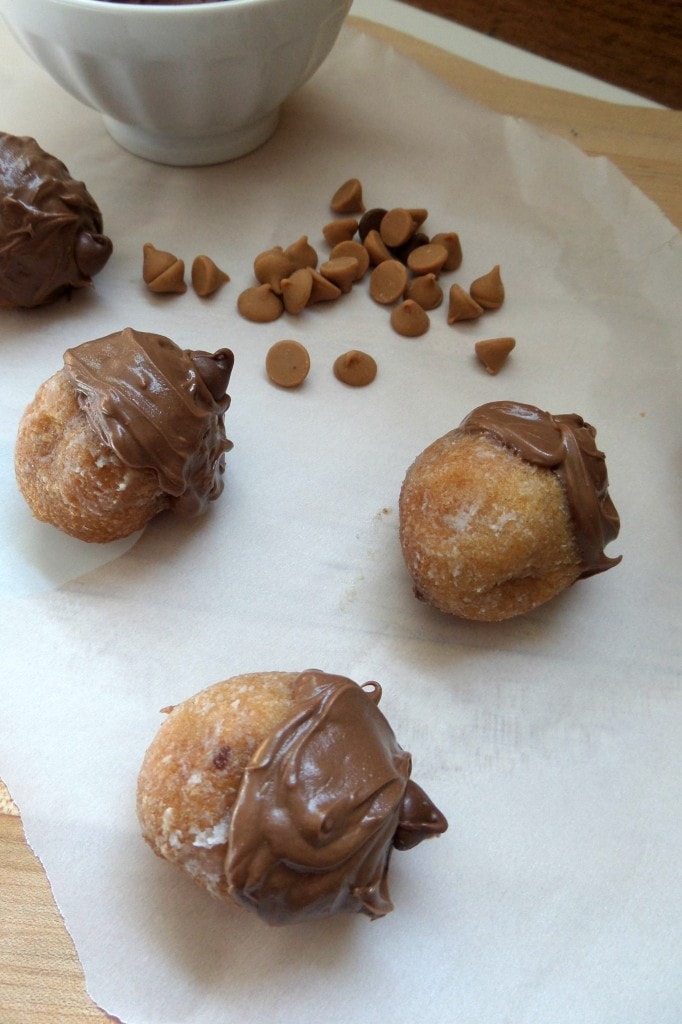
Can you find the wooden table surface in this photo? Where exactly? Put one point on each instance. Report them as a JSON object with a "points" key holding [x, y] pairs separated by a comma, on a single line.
{"points": [[634, 44], [41, 981]]}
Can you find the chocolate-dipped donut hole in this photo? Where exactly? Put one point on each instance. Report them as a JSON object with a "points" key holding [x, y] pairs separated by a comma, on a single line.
{"points": [[131, 426], [51, 231], [503, 513], [286, 793]]}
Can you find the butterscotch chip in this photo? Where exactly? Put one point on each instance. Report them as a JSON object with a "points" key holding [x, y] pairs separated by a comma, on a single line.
{"points": [[355, 368], [287, 363], [356, 251], [322, 289], [402, 252], [451, 241], [171, 281], [260, 304], [427, 259], [296, 290], [341, 271], [376, 247], [371, 221], [461, 306], [425, 291], [207, 277], [162, 271], [493, 352], [409, 319], [301, 253], [488, 290], [155, 261], [387, 282], [418, 215], [348, 197], [397, 226], [342, 230], [271, 266]]}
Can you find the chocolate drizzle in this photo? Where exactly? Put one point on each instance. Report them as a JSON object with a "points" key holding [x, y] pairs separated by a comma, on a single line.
{"points": [[322, 804], [566, 445], [51, 238], [159, 408]]}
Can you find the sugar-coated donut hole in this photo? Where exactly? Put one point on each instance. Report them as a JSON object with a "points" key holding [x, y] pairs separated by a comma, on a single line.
{"points": [[192, 770], [71, 478], [485, 535]]}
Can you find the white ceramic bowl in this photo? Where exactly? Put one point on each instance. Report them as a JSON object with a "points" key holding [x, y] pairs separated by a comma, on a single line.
{"points": [[185, 83]]}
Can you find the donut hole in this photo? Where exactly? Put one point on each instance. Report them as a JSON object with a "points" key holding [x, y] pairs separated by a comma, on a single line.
{"points": [[485, 535], [71, 478], [192, 771]]}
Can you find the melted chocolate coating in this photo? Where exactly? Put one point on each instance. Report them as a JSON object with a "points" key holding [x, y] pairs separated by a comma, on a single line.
{"points": [[322, 804], [566, 445], [51, 237], [159, 408]]}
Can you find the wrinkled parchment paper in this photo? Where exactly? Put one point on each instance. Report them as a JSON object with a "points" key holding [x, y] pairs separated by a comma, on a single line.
{"points": [[551, 743]]}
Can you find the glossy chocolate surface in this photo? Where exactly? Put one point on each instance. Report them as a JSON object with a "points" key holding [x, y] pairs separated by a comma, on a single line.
{"points": [[566, 445], [159, 407], [51, 233], [323, 803]]}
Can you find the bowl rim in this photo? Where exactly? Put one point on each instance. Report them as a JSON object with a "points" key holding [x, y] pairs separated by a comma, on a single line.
{"points": [[178, 9]]}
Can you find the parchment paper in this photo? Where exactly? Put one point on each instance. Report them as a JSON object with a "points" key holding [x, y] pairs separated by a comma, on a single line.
{"points": [[551, 742]]}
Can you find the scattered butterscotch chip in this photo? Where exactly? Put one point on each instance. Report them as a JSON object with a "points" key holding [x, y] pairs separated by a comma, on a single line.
{"points": [[418, 215], [425, 291], [341, 230], [402, 252], [493, 352], [287, 363], [356, 251], [371, 221], [301, 253], [409, 319], [260, 304], [162, 271], [397, 226], [387, 282], [488, 290], [461, 306], [207, 277], [322, 289], [155, 261], [348, 197], [450, 239], [355, 368], [271, 266], [427, 259], [296, 290], [376, 247], [341, 271]]}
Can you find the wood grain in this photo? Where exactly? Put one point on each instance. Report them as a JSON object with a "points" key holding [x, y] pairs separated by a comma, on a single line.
{"points": [[41, 981], [634, 44], [645, 143]]}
